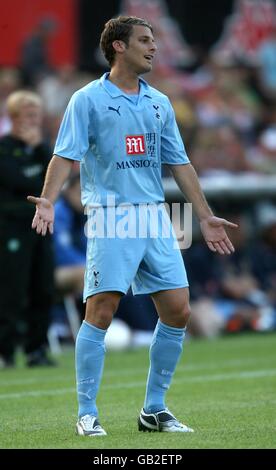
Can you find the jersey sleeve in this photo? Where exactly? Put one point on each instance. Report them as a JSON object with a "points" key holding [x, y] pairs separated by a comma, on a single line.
{"points": [[172, 148], [73, 136]]}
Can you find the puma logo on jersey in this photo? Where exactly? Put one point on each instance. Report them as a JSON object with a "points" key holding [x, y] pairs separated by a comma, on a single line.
{"points": [[114, 109]]}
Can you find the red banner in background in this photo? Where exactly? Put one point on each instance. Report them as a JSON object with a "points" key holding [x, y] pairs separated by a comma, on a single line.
{"points": [[20, 18], [251, 23]]}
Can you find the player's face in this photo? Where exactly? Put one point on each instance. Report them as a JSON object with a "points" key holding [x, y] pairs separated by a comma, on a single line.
{"points": [[141, 49]]}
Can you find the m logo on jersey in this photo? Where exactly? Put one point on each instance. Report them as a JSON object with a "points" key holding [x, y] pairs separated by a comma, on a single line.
{"points": [[135, 145]]}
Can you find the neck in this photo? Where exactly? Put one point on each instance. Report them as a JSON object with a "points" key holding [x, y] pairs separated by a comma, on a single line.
{"points": [[126, 80]]}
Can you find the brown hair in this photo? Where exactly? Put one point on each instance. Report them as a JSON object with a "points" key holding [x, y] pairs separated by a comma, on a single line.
{"points": [[119, 29]]}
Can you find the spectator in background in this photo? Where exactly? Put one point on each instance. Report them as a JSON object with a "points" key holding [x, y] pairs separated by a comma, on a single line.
{"points": [[9, 82], [34, 60], [267, 61], [26, 275], [218, 152], [228, 295], [56, 90], [264, 261], [262, 156]]}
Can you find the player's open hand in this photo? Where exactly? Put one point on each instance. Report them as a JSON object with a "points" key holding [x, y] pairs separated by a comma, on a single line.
{"points": [[215, 235], [43, 220]]}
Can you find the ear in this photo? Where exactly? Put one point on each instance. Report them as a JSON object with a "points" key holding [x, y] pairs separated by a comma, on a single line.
{"points": [[119, 46]]}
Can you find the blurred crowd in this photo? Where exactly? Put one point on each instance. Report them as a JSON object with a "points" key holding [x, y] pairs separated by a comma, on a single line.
{"points": [[226, 112]]}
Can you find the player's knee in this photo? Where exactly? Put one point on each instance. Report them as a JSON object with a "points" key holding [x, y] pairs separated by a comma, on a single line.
{"points": [[100, 310], [186, 313], [181, 315]]}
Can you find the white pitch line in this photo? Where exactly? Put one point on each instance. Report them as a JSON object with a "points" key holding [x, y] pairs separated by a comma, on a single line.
{"points": [[200, 378], [37, 393], [134, 371]]}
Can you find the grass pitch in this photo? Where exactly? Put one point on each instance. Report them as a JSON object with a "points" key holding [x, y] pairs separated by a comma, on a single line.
{"points": [[224, 388]]}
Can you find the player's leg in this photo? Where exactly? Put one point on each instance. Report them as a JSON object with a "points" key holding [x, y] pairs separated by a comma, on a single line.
{"points": [[165, 351], [173, 306], [90, 353], [166, 348], [111, 265], [162, 273]]}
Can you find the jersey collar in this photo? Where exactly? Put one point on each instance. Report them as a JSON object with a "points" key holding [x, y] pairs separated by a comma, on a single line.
{"points": [[114, 91]]}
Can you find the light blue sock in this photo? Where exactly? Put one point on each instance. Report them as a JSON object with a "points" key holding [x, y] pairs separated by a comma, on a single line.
{"points": [[165, 351], [90, 352]]}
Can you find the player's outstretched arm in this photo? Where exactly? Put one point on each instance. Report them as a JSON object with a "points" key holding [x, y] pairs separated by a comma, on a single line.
{"points": [[58, 171], [212, 227]]}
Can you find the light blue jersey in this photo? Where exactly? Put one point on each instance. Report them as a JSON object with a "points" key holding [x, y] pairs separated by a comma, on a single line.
{"points": [[121, 142]]}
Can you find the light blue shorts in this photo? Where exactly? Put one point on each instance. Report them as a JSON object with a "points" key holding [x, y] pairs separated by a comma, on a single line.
{"points": [[148, 259]]}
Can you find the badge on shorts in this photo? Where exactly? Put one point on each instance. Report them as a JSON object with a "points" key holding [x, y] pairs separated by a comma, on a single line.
{"points": [[96, 278]]}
